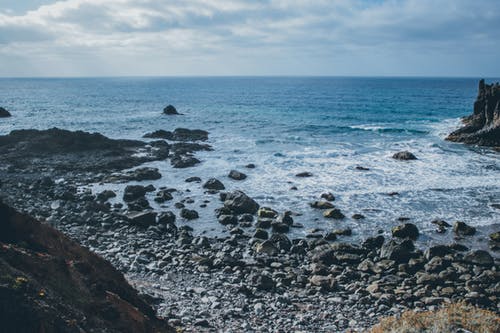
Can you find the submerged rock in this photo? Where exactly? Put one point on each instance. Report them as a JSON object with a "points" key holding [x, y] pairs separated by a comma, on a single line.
{"points": [[170, 110], [236, 175], [4, 113], [404, 156], [482, 127]]}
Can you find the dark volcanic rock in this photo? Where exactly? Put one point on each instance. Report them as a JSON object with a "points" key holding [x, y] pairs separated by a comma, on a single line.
{"points": [[479, 257], [170, 110], [214, 184], [51, 284], [236, 175], [400, 252], [404, 155], [184, 161], [407, 230], [304, 174], [179, 134], [142, 219], [240, 203], [463, 229], [4, 113], [483, 126], [134, 192], [159, 134], [76, 151], [189, 214], [333, 213]]}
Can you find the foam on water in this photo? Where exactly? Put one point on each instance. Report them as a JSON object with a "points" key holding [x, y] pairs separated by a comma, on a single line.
{"points": [[326, 126]]}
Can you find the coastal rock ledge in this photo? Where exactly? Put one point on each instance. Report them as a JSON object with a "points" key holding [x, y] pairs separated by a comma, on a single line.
{"points": [[482, 127], [49, 283]]}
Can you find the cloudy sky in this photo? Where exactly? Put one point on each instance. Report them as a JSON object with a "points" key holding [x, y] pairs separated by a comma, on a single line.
{"points": [[254, 37]]}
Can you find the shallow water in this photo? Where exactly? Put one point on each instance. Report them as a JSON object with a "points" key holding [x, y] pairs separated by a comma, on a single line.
{"points": [[327, 126]]}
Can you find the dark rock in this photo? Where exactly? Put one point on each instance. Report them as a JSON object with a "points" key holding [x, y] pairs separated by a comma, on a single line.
{"points": [[281, 241], [483, 126], [189, 214], [334, 213], [106, 195], [138, 204], [327, 283], [236, 175], [328, 196], [184, 161], [322, 205], [267, 247], [142, 219], [159, 134], [167, 217], [4, 113], [399, 252], [267, 213], [280, 227], [479, 257], [240, 203], [437, 251], [404, 155], [324, 254], [407, 230], [495, 237], [358, 216], [286, 218], [141, 174], [331, 236], [214, 184], [184, 134], [193, 180], [263, 223], [361, 168], [162, 196], [264, 282], [133, 192], [170, 110], [250, 166], [260, 234], [48, 278], [304, 174], [462, 229], [373, 243], [343, 232], [228, 219]]}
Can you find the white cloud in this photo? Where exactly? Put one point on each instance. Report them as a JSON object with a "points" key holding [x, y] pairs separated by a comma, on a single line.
{"points": [[223, 33]]}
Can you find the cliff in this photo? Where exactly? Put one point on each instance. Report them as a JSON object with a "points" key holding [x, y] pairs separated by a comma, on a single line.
{"points": [[49, 283], [483, 126]]}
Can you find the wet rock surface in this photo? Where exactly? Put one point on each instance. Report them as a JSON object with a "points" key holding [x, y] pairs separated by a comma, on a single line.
{"points": [[254, 277], [482, 127], [4, 113]]}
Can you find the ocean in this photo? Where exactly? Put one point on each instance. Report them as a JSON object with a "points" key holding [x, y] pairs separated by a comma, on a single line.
{"points": [[285, 125]]}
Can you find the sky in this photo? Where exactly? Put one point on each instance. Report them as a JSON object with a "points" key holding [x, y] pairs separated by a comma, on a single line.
{"points": [[256, 37]]}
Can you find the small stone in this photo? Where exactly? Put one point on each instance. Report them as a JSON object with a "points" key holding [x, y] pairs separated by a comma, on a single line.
{"points": [[236, 175], [334, 213], [304, 174], [322, 205]]}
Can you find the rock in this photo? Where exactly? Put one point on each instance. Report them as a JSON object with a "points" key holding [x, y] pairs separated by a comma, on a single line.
{"points": [[228, 219], [328, 196], [184, 161], [162, 196], [495, 237], [404, 155], [407, 230], [358, 216], [267, 247], [331, 236], [4, 113], [362, 168], [304, 174], [343, 232], [138, 205], [281, 241], [462, 229], [167, 217], [279, 227], [240, 203], [170, 110], [399, 252], [437, 251], [142, 219], [483, 126], [324, 255], [267, 213], [184, 134], [236, 175], [260, 234], [214, 184], [334, 213], [159, 134], [189, 214], [373, 243], [479, 257], [106, 195], [193, 180], [286, 218], [322, 205], [133, 192], [264, 282], [250, 166], [324, 282]]}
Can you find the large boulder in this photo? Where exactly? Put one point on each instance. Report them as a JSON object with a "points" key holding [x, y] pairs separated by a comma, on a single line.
{"points": [[400, 252], [4, 113], [214, 184], [240, 203], [404, 156], [407, 230], [482, 127], [134, 192]]}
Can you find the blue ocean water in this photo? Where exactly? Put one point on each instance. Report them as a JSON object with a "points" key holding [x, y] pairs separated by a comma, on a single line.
{"points": [[286, 125]]}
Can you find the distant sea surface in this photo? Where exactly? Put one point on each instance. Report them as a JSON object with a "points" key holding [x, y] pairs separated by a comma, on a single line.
{"points": [[287, 125]]}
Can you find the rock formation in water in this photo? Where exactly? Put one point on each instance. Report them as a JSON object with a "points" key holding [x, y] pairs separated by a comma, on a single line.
{"points": [[4, 113], [49, 283], [483, 126]]}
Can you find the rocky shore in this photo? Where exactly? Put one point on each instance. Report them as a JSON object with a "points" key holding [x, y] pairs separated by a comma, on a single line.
{"points": [[257, 278]]}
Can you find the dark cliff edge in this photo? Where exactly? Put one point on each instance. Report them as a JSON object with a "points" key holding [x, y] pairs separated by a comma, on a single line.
{"points": [[49, 283], [482, 127]]}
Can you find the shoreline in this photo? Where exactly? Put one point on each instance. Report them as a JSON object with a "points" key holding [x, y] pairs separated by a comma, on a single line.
{"points": [[243, 280]]}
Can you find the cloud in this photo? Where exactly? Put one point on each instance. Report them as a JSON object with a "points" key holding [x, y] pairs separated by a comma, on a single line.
{"points": [[247, 35]]}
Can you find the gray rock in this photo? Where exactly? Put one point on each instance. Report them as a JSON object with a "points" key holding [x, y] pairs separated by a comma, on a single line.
{"points": [[333, 213], [133, 192], [236, 175], [4, 113], [240, 203], [214, 184], [407, 230], [462, 229], [142, 219], [404, 155], [170, 110], [479, 257], [189, 214]]}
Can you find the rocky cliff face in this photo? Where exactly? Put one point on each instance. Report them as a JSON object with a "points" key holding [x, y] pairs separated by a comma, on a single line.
{"points": [[483, 126], [48, 283]]}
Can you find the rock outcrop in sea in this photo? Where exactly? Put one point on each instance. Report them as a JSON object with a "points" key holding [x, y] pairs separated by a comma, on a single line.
{"points": [[49, 283], [482, 127], [4, 113]]}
